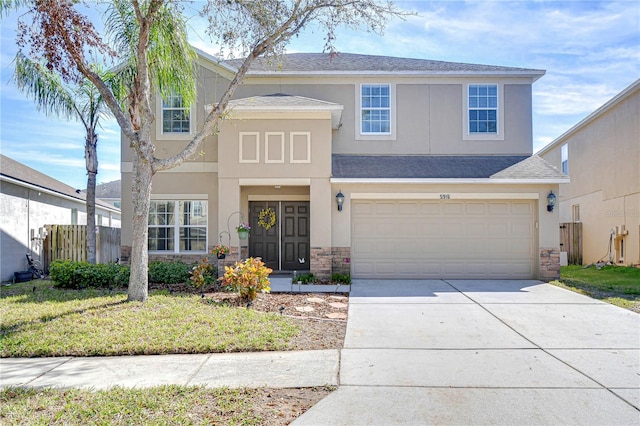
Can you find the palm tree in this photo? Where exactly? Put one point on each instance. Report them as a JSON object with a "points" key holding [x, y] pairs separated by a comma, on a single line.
{"points": [[80, 101]]}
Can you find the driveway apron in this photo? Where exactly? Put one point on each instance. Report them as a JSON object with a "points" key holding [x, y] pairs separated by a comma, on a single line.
{"points": [[483, 352]]}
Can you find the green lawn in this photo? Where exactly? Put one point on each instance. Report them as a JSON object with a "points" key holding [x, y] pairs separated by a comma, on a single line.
{"points": [[165, 405], [37, 320], [618, 285]]}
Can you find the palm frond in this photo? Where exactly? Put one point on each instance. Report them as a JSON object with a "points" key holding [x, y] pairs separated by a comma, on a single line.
{"points": [[170, 57], [8, 6], [49, 93]]}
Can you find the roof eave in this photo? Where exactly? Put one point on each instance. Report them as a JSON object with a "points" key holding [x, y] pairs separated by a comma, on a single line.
{"points": [[53, 192], [450, 181], [334, 110], [533, 74]]}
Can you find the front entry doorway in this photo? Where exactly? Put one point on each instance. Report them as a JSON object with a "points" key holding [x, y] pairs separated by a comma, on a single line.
{"points": [[285, 246]]}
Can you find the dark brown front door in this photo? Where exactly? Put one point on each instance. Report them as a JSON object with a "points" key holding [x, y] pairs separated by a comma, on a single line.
{"points": [[286, 245]]}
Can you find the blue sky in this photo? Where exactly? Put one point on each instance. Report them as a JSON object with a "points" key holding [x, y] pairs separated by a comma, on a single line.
{"points": [[589, 49]]}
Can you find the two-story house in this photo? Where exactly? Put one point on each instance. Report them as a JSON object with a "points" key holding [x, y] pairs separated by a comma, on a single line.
{"points": [[601, 153], [375, 166]]}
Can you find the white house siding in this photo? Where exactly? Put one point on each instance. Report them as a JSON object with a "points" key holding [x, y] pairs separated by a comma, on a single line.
{"points": [[22, 210]]}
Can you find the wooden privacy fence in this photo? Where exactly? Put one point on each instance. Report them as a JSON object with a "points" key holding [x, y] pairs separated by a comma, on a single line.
{"points": [[571, 241], [69, 242]]}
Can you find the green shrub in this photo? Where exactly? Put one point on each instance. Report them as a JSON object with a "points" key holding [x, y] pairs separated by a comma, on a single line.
{"points": [[341, 278], [248, 278], [169, 272], [305, 278], [70, 274], [202, 274], [62, 273]]}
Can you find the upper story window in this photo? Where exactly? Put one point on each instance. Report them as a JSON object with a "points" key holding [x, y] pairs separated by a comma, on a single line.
{"points": [[176, 118], [375, 109], [565, 158], [483, 108]]}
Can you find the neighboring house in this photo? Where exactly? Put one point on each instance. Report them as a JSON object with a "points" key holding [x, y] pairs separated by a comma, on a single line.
{"points": [[29, 200], [109, 193], [602, 155], [433, 160]]}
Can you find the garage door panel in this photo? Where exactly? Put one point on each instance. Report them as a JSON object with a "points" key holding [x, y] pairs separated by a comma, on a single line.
{"points": [[476, 229], [498, 229], [453, 208], [498, 208], [522, 248], [475, 208], [443, 239], [521, 229], [388, 209], [430, 208], [522, 209]]}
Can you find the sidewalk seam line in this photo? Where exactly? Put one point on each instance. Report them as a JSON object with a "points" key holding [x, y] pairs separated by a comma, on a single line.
{"points": [[197, 370], [540, 347], [49, 371]]}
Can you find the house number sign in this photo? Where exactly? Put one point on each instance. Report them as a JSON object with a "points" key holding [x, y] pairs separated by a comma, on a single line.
{"points": [[445, 196]]}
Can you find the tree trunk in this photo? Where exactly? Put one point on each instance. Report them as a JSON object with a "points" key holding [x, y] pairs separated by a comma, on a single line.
{"points": [[141, 191], [91, 159]]}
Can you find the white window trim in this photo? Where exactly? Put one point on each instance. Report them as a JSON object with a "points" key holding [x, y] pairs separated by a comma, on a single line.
{"points": [[176, 226], [292, 135], [466, 135], [160, 135], [266, 147], [391, 136], [241, 158]]}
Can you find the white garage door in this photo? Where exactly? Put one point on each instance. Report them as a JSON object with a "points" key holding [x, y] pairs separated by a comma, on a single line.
{"points": [[443, 239]]}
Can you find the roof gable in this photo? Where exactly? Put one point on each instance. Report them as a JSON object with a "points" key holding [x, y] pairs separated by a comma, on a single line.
{"points": [[534, 167], [280, 102]]}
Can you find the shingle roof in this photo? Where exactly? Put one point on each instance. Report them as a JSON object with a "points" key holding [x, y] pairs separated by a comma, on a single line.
{"points": [[534, 167], [323, 62], [278, 102], [421, 166], [18, 171], [109, 190], [281, 100]]}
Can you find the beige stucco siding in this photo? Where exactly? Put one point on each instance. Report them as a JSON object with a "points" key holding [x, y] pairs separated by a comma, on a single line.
{"points": [[232, 133], [603, 158], [430, 114]]}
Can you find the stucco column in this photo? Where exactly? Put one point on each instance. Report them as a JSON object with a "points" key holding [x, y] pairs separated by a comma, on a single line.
{"points": [[321, 201], [549, 237], [228, 207]]}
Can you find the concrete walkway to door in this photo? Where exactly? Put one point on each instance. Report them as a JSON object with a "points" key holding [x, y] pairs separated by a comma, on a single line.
{"points": [[483, 352]]}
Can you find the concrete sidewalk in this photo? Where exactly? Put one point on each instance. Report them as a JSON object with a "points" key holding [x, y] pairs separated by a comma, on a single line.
{"points": [[256, 369], [483, 352]]}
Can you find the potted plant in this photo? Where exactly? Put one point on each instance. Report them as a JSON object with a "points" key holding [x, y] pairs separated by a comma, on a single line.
{"points": [[220, 250], [243, 230]]}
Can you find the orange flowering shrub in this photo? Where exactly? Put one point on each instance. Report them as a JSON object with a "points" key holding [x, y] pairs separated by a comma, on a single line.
{"points": [[248, 278]]}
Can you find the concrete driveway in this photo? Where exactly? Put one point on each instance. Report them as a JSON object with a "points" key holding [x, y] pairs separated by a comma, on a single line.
{"points": [[483, 352]]}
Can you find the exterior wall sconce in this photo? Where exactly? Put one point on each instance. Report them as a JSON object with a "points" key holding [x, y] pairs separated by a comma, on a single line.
{"points": [[340, 200], [551, 201]]}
